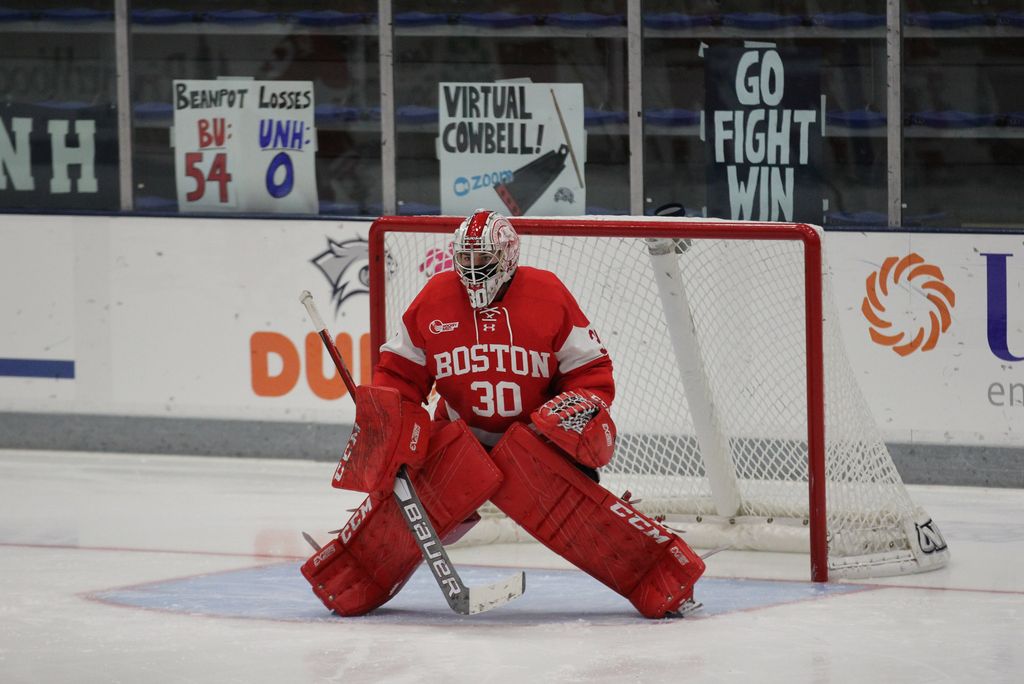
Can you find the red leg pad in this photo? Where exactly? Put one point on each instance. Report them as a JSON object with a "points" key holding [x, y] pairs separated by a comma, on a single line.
{"points": [[594, 530], [375, 553]]}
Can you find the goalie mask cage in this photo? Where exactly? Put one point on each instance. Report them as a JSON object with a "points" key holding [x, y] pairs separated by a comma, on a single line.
{"points": [[739, 416]]}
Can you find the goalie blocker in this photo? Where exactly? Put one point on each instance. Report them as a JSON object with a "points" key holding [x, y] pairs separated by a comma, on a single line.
{"points": [[389, 432]]}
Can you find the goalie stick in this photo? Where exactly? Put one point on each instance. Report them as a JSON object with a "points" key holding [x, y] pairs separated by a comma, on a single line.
{"points": [[463, 599]]}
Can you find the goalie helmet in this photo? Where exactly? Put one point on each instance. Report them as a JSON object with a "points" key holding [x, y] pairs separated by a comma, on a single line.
{"points": [[486, 254]]}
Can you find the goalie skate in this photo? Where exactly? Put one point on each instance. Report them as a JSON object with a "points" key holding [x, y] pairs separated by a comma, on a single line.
{"points": [[687, 607]]}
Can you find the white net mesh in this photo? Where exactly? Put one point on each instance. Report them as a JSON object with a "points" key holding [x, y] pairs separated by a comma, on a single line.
{"points": [[747, 305]]}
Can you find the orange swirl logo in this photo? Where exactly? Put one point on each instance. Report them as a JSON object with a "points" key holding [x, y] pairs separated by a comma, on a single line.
{"points": [[914, 273]]}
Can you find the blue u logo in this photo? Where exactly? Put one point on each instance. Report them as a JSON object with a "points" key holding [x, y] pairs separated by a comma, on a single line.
{"points": [[997, 307]]}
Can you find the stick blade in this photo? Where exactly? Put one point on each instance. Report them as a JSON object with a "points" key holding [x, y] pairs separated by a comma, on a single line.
{"points": [[712, 552], [484, 598]]}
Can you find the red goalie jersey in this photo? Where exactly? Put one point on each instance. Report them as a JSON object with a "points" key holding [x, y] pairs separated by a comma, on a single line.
{"points": [[493, 366]]}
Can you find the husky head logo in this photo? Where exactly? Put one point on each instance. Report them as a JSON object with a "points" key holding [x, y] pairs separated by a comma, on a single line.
{"points": [[346, 265], [347, 268]]}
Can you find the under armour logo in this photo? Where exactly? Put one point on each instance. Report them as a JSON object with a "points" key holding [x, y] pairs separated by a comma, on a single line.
{"points": [[489, 318], [929, 538]]}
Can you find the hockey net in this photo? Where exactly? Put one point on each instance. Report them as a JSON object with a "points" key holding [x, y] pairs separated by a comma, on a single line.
{"points": [[739, 417]]}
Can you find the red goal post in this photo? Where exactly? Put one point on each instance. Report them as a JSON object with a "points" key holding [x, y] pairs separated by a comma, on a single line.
{"points": [[662, 253]]}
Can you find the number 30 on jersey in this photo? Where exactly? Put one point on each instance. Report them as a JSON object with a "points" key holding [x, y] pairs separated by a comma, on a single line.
{"points": [[503, 399]]}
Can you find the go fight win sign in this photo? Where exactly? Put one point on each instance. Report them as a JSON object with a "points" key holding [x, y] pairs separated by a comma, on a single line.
{"points": [[763, 125], [513, 147], [243, 145]]}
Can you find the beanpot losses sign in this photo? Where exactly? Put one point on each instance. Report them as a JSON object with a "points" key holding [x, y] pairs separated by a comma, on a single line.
{"points": [[763, 128], [244, 145]]}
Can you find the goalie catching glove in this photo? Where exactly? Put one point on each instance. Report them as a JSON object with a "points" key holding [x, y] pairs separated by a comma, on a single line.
{"points": [[577, 421], [389, 432]]}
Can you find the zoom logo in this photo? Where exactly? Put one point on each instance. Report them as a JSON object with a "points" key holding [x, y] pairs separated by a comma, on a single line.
{"points": [[916, 327], [463, 185]]}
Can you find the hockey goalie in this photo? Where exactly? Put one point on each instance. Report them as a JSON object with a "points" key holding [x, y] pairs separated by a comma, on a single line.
{"points": [[523, 420]]}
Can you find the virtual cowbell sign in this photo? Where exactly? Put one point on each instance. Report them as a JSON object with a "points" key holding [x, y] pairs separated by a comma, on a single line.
{"points": [[517, 148], [763, 126], [245, 145]]}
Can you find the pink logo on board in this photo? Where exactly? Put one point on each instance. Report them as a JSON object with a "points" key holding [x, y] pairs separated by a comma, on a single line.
{"points": [[437, 261]]}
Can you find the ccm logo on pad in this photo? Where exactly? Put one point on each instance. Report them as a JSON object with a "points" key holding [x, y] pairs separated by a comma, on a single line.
{"points": [[640, 522], [356, 520], [348, 452]]}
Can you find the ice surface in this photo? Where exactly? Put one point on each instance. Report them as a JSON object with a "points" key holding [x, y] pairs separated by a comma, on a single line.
{"points": [[123, 568]]}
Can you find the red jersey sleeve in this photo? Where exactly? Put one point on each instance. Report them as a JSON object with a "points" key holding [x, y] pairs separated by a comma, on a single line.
{"points": [[583, 362]]}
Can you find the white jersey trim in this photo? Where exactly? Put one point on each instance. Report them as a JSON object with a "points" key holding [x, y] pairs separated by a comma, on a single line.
{"points": [[578, 350], [402, 345]]}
